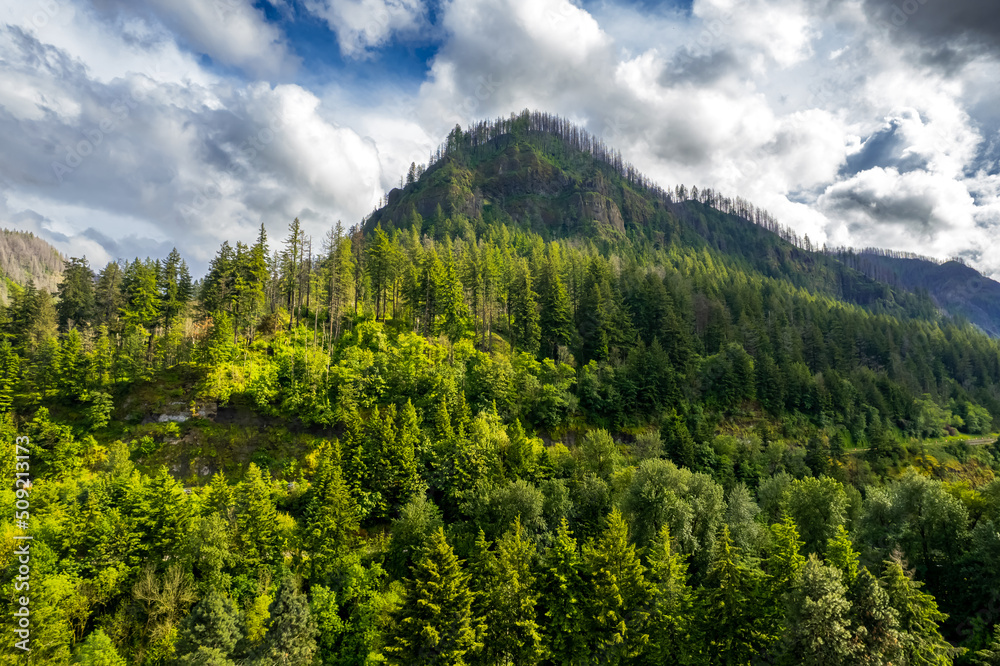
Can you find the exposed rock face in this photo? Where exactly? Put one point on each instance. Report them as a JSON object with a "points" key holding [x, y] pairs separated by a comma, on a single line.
{"points": [[523, 183], [592, 206], [179, 412]]}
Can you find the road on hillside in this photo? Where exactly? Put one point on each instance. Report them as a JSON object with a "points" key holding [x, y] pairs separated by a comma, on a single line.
{"points": [[970, 442]]}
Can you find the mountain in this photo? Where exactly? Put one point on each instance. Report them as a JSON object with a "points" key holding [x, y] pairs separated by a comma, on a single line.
{"points": [[541, 173], [957, 289], [25, 257]]}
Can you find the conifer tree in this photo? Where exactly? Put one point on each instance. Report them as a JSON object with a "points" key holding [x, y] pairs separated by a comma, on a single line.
{"points": [[10, 371], [563, 600], [874, 622], [670, 611], [433, 626], [108, 298], [291, 637], [731, 626], [840, 553], [525, 331], [512, 633], [990, 655], [76, 304], [618, 595], [817, 625], [331, 518], [256, 520], [98, 650], [219, 498], [213, 623], [451, 302], [166, 515], [919, 618]]}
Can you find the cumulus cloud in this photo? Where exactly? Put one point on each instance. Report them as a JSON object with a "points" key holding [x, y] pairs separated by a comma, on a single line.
{"points": [[172, 164], [361, 25], [231, 32]]}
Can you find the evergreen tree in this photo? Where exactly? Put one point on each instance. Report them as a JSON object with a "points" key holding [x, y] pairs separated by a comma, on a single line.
{"points": [[433, 626], [331, 518], [990, 655], [98, 650], [618, 595], [76, 304], [817, 626], [256, 520], [525, 332], [10, 371], [512, 634], [671, 608], [874, 622], [165, 516], [291, 637], [563, 599], [451, 302], [729, 613], [919, 618], [213, 623], [108, 297], [840, 553]]}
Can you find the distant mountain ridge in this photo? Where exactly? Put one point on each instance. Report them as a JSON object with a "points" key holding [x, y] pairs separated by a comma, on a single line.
{"points": [[956, 288], [24, 257]]}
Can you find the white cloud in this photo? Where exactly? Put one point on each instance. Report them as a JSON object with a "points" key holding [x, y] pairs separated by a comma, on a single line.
{"points": [[361, 25]]}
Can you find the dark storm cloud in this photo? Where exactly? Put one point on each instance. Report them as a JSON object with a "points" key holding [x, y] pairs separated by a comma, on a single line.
{"points": [[689, 66], [950, 31], [913, 209]]}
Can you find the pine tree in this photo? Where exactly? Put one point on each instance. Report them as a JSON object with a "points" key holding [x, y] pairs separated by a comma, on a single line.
{"points": [[512, 634], [331, 518], [256, 520], [670, 612], [213, 623], [594, 323], [919, 618], [619, 594], [563, 601], [166, 515], [108, 298], [729, 612], [817, 626], [76, 304], [840, 553], [10, 370], [291, 638], [874, 622], [990, 655], [451, 303], [782, 566], [433, 626], [525, 332], [98, 650]]}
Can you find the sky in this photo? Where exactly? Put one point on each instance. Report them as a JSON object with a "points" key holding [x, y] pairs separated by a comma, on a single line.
{"points": [[128, 127]]}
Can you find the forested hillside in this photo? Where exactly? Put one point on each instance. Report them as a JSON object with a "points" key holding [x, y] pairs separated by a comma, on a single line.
{"points": [[955, 287], [534, 410], [26, 258]]}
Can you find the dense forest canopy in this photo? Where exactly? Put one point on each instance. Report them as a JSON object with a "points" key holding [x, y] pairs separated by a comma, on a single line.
{"points": [[534, 410]]}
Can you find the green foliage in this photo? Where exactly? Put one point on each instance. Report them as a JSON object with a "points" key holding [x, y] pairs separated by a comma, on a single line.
{"points": [[817, 624], [434, 623], [291, 636], [98, 650], [619, 594], [563, 600]]}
